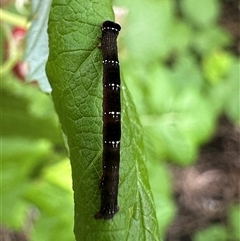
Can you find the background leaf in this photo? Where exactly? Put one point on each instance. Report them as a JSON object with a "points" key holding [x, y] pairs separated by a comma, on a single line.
{"points": [[18, 152], [201, 12], [23, 109], [37, 44], [216, 232], [31, 143]]}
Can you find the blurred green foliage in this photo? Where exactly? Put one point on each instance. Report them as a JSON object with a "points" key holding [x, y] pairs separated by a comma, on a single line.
{"points": [[175, 64], [182, 78], [34, 168]]}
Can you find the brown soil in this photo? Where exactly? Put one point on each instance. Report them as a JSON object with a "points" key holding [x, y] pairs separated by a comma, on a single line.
{"points": [[205, 191]]}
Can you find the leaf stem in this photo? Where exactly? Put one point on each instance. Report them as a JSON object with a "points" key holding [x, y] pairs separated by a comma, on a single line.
{"points": [[13, 18]]}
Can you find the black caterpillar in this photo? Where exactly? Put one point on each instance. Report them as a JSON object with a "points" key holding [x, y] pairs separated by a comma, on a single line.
{"points": [[111, 121]]}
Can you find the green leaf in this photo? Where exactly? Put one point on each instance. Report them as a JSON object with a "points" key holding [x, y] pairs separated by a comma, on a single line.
{"points": [[74, 70], [19, 159], [178, 117], [152, 24], [225, 94], [234, 219], [232, 87], [161, 186], [54, 202], [201, 13], [27, 112], [213, 233], [216, 66], [210, 39]]}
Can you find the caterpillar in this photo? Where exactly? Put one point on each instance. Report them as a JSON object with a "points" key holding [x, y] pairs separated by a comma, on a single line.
{"points": [[111, 121]]}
